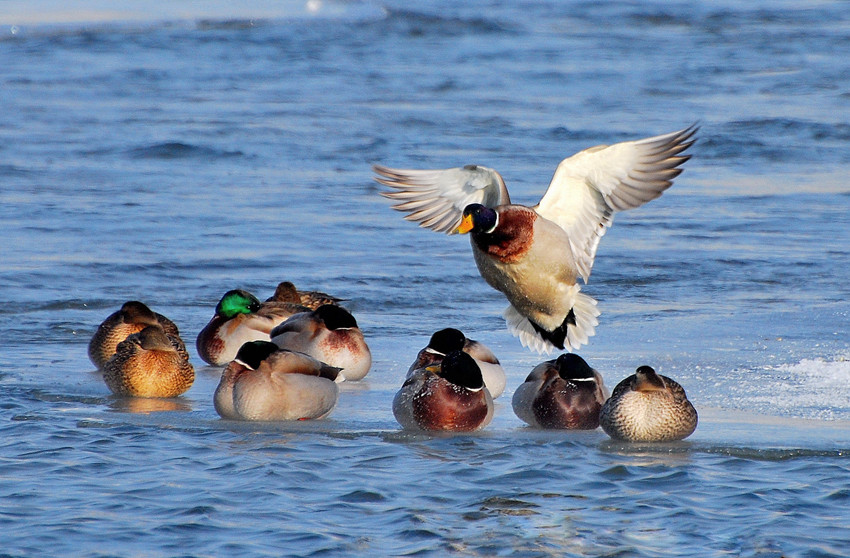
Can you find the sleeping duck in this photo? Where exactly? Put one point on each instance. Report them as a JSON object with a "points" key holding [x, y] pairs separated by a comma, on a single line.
{"points": [[648, 407], [449, 396], [240, 317], [534, 255], [563, 393], [449, 339], [330, 334], [132, 317], [265, 382], [148, 364], [286, 292]]}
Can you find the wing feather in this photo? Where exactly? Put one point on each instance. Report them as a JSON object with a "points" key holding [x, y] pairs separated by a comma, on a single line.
{"points": [[436, 198], [589, 187]]}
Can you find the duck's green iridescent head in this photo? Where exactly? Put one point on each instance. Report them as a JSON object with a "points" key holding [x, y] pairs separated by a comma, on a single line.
{"points": [[237, 302]]}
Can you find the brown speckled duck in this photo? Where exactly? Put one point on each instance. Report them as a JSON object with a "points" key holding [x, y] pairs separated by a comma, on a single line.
{"points": [[148, 364], [534, 255], [648, 407], [132, 317], [286, 292], [450, 339], [564, 393], [330, 334], [239, 317], [450, 396], [266, 383]]}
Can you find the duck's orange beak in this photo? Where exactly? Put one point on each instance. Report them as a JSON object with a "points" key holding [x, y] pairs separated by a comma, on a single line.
{"points": [[434, 368], [466, 225]]}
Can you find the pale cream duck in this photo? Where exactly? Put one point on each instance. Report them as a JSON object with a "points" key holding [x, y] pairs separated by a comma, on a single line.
{"points": [[330, 334], [266, 383]]}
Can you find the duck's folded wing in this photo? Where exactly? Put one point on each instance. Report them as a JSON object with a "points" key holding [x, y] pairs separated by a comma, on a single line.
{"points": [[296, 322], [436, 198], [589, 187]]}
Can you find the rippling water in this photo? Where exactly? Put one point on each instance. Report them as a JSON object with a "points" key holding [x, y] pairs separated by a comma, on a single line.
{"points": [[154, 153]]}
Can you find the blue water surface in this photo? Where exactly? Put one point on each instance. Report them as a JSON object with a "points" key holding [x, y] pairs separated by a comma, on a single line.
{"points": [[168, 154]]}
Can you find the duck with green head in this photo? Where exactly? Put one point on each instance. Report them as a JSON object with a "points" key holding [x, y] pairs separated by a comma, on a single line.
{"points": [[240, 317], [148, 364]]}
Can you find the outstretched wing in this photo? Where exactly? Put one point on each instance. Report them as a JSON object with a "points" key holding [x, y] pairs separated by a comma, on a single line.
{"points": [[589, 187], [436, 198]]}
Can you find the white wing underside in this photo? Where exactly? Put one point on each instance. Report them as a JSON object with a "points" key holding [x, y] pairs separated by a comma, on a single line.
{"points": [[436, 198], [585, 192], [589, 187]]}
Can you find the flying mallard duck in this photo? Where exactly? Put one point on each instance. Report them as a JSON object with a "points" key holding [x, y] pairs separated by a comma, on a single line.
{"points": [[534, 255]]}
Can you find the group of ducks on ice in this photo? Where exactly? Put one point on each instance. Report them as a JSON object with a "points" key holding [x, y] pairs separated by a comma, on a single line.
{"points": [[284, 357]]}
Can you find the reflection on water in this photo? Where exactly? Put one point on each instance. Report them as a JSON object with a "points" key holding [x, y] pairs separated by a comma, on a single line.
{"points": [[147, 405]]}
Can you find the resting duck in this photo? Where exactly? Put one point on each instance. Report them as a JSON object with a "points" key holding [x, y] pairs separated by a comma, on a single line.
{"points": [[450, 396], [330, 334], [648, 407], [148, 364], [264, 382], [286, 292], [564, 393], [132, 317], [534, 255], [239, 317], [450, 339]]}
